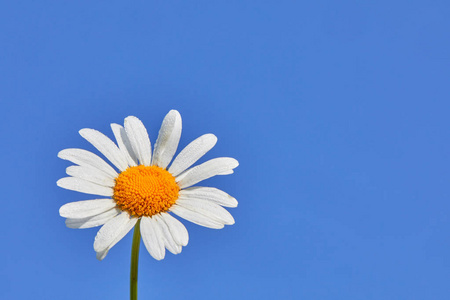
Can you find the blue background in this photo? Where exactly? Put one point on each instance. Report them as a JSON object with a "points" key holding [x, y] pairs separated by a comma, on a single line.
{"points": [[338, 112]]}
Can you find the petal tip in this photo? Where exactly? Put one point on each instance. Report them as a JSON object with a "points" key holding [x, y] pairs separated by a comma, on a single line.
{"points": [[101, 255], [174, 111], [114, 125], [127, 119], [59, 182], [83, 131], [213, 138], [61, 154], [235, 162], [69, 224], [61, 211]]}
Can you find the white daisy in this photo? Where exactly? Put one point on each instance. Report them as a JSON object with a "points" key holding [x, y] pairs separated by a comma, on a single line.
{"points": [[145, 187]]}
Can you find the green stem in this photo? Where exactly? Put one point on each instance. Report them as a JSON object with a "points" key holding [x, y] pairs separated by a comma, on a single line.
{"points": [[135, 261]]}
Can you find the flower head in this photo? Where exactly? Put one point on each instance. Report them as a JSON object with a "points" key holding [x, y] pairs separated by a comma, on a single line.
{"points": [[144, 187]]}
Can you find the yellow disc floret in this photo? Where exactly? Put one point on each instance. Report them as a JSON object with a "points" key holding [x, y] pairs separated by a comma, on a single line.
{"points": [[145, 191]]}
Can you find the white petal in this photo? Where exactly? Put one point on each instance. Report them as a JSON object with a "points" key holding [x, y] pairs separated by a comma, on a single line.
{"points": [[139, 140], [168, 138], [152, 237], [85, 158], [83, 186], [124, 144], [211, 194], [206, 170], [91, 174], [105, 146], [121, 233], [177, 229], [228, 172], [168, 239], [207, 208], [93, 221], [108, 233], [102, 254], [86, 208], [196, 217], [192, 152]]}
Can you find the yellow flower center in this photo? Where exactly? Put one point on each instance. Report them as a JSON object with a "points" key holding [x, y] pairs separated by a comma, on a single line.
{"points": [[145, 191]]}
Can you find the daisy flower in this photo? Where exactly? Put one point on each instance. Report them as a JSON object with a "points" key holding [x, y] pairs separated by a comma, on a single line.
{"points": [[144, 191]]}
